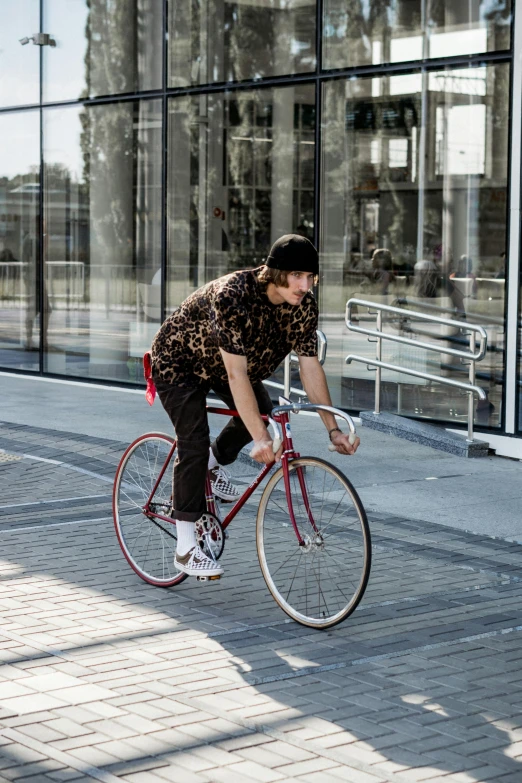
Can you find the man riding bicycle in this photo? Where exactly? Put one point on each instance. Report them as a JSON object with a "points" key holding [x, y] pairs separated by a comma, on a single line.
{"points": [[229, 336]]}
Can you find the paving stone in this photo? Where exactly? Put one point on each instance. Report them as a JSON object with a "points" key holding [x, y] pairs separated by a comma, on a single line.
{"points": [[63, 775], [248, 740], [177, 774], [351, 775], [32, 778], [253, 771], [126, 768], [298, 768], [264, 755], [67, 728], [41, 731], [35, 702]]}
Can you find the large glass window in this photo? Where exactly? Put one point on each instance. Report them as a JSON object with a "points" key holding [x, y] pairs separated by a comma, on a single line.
{"points": [[371, 32], [19, 65], [519, 356], [102, 190], [240, 174], [19, 240], [219, 41], [103, 47], [414, 212]]}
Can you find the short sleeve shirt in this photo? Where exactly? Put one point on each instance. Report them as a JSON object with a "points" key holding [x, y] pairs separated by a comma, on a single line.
{"points": [[233, 313]]}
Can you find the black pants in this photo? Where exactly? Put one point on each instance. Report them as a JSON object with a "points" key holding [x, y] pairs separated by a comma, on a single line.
{"points": [[187, 411]]}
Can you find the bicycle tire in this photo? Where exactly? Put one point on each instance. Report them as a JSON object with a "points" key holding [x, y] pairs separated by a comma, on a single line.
{"points": [[330, 492], [135, 477]]}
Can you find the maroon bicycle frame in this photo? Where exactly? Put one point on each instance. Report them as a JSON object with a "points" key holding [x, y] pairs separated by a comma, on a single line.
{"points": [[288, 454]]}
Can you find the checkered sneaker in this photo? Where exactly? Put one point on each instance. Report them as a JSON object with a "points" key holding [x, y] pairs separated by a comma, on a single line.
{"points": [[221, 485], [196, 563]]}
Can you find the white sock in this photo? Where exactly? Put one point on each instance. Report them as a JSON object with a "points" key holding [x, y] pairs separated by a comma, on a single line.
{"points": [[212, 461], [186, 532]]}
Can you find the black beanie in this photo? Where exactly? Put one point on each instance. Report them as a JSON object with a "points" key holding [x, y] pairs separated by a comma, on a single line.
{"points": [[293, 253]]}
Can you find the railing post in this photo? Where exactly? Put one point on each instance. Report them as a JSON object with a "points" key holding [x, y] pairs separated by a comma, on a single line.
{"points": [[287, 377], [471, 405], [378, 370]]}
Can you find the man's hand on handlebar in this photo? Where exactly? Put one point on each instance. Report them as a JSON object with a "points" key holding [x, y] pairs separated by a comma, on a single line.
{"points": [[263, 451], [342, 444]]}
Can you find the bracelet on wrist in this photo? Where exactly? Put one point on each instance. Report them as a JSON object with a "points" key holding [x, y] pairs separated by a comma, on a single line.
{"points": [[334, 429]]}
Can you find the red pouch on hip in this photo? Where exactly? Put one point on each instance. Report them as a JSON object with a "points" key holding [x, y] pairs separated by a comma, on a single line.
{"points": [[150, 393]]}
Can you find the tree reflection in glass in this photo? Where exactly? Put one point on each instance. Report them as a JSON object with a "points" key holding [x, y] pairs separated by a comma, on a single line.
{"points": [[371, 32], [103, 47], [217, 41], [240, 174], [102, 187]]}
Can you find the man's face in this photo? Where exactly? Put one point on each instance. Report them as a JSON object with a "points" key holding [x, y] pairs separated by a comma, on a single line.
{"points": [[299, 283]]}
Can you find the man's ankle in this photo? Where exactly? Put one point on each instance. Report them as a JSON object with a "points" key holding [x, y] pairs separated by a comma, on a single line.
{"points": [[186, 535]]}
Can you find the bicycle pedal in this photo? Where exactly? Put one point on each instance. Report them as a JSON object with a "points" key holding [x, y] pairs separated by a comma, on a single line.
{"points": [[208, 578]]}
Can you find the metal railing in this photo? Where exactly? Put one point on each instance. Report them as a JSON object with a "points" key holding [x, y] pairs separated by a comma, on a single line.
{"points": [[473, 356], [293, 359], [64, 279]]}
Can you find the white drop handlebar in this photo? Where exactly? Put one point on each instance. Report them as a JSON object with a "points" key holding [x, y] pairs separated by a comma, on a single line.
{"points": [[277, 440], [309, 406]]}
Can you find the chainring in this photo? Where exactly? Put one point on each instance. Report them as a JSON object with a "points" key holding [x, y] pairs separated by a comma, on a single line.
{"points": [[210, 535]]}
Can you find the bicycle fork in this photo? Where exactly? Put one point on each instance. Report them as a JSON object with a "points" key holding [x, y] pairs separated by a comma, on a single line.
{"points": [[289, 454]]}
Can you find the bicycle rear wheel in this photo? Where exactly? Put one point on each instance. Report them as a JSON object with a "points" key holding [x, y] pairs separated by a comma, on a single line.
{"points": [[320, 582], [149, 544]]}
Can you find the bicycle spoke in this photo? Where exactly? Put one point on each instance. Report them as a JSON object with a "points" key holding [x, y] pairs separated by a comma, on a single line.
{"points": [[343, 566], [293, 578], [321, 594], [332, 581], [136, 483], [331, 518], [297, 551]]}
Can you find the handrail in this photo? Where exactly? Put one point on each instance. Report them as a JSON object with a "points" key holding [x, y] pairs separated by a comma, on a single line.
{"points": [[478, 390], [476, 356], [473, 355]]}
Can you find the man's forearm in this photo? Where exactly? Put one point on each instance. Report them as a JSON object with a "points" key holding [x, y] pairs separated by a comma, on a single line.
{"points": [[316, 387], [246, 405]]}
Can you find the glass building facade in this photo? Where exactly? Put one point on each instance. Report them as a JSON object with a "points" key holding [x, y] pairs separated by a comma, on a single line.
{"points": [[149, 146]]}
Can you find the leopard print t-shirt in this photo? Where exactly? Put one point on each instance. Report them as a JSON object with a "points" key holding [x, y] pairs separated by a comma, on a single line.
{"points": [[233, 313]]}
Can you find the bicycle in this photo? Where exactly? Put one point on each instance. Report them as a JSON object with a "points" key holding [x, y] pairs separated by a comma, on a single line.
{"points": [[312, 534]]}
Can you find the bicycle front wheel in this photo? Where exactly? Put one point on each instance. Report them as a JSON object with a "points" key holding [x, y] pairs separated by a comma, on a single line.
{"points": [[319, 582], [148, 543]]}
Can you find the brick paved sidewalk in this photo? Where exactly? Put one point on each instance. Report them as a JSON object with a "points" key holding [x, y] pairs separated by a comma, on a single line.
{"points": [[106, 678]]}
